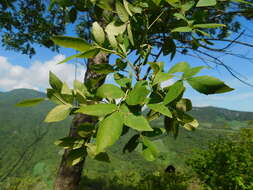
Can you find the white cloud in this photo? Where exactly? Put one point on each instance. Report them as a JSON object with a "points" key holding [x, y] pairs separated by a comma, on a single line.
{"points": [[35, 76]]}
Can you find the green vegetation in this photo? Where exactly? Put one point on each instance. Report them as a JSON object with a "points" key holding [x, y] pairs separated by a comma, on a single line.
{"points": [[227, 163], [39, 165]]}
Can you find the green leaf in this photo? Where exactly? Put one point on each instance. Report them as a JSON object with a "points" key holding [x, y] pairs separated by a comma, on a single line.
{"points": [[97, 109], [203, 33], [157, 2], [102, 68], [161, 77], [103, 157], [109, 91], [76, 156], [174, 3], [182, 29], [89, 53], [86, 54], [30, 102], [174, 92], [122, 80], [137, 95], [242, 1], [55, 96], [72, 42], [115, 29], [55, 82], [171, 125], [109, 131], [205, 3], [209, 25], [161, 108], [187, 6], [121, 64], [208, 85], [81, 88], [66, 142], [155, 67], [192, 71], [138, 123], [179, 67], [149, 149], [98, 33], [65, 89], [85, 129], [72, 15], [184, 105], [188, 121], [132, 144], [122, 12], [155, 133], [59, 113], [112, 40], [104, 4], [130, 34], [127, 6]]}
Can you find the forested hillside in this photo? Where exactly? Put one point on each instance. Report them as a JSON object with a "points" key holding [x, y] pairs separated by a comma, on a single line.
{"points": [[27, 147]]}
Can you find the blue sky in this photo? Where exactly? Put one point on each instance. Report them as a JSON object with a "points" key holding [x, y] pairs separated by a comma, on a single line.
{"points": [[19, 71]]}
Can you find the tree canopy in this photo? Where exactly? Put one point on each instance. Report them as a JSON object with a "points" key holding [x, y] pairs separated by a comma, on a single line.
{"points": [[138, 28]]}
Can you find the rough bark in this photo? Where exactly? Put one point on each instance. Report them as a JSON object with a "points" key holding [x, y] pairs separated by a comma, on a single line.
{"points": [[68, 177]]}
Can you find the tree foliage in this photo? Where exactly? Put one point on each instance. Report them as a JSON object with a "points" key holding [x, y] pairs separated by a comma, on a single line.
{"points": [[136, 30], [227, 163]]}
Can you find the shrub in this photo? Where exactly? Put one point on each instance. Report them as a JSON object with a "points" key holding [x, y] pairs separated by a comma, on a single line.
{"points": [[227, 164]]}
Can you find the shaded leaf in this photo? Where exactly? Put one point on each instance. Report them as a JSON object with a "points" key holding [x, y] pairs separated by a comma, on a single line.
{"points": [[208, 85], [149, 149], [76, 156], [55, 82], [122, 80], [131, 144]]}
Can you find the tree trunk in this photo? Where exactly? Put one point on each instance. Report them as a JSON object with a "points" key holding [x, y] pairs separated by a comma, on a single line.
{"points": [[68, 177]]}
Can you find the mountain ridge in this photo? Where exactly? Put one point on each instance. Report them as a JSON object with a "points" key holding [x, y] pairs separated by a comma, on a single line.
{"points": [[34, 94]]}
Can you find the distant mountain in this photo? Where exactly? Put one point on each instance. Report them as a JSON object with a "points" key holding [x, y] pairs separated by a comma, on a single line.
{"points": [[209, 113], [21, 127]]}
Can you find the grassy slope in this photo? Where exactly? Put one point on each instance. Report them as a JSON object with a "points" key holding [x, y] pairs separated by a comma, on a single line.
{"points": [[19, 126]]}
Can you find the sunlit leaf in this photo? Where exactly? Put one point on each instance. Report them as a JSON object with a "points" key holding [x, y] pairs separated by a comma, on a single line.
{"points": [[109, 91], [109, 131], [174, 92], [30, 102], [72, 42], [59, 113], [97, 109], [98, 33]]}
